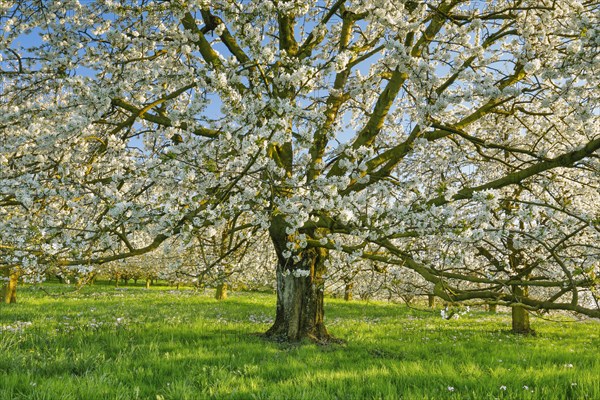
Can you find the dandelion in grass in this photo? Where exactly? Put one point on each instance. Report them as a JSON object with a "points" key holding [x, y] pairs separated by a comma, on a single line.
{"points": [[451, 388]]}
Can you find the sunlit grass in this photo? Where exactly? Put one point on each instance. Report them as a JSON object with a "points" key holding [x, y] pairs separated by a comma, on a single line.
{"points": [[104, 343]]}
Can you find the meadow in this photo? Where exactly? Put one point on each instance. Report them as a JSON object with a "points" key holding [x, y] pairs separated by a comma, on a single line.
{"points": [[131, 343]]}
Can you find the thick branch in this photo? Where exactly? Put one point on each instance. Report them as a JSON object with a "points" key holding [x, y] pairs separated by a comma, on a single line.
{"points": [[566, 160]]}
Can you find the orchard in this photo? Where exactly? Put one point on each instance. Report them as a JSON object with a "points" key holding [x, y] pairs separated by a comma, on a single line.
{"points": [[390, 149]]}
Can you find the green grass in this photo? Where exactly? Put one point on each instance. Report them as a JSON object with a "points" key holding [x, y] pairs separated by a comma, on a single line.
{"points": [[104, 343]]}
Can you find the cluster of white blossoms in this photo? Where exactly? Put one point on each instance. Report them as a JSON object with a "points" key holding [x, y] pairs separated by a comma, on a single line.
{"points": [[451, 138]]}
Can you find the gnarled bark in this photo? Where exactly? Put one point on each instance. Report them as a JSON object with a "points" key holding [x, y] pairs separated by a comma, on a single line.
{"points": [[300, 287]]}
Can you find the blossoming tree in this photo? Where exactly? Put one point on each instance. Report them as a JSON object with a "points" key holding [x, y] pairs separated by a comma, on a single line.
{"points": [[365, 127]]}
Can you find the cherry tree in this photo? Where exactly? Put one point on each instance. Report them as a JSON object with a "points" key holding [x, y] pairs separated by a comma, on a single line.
{"points": [[376, 128]]}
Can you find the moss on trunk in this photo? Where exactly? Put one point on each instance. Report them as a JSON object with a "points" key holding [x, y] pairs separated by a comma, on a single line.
{"points": [[431, 300], [348, 291], [9, 291], [520, 315], [221, 292]]}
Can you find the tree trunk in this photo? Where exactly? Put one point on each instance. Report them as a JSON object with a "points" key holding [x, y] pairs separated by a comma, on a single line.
{"points": [[520, 316], [431, 300], [9, 292], [148, 280], [300, 287], [492, 308], [221, 293], [348, 291]]}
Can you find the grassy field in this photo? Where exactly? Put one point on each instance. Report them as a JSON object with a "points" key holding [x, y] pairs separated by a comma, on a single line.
{"points": [[132, 343]]}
